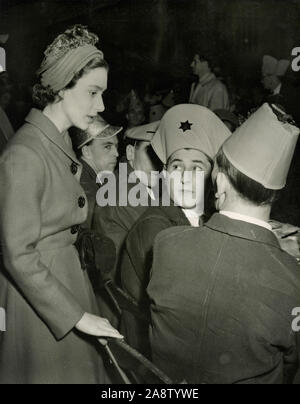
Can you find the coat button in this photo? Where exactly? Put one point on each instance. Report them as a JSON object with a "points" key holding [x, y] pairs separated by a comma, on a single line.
{"points": [[74, 168], [75, 229], [81, 202]]}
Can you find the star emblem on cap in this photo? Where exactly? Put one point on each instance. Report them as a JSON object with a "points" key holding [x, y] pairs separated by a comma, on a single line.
{"points": [[185, 126]]}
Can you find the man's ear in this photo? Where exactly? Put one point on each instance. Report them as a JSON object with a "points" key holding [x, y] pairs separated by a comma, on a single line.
{"points": [[222, 183], [130, 153], [86, 152]]}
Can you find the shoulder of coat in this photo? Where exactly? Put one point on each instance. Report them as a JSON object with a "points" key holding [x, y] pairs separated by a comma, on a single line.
{"points": [[30, 136], [176, 235]]}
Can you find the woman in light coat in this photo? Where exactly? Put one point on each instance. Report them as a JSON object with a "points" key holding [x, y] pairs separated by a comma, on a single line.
{"points": [[51, 314]]}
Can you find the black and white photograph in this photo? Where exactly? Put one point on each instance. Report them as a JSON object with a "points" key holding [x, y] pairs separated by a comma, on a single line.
{"points": [[149, 194]]}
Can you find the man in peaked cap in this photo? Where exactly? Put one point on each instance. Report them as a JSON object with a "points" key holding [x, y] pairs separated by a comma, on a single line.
{"points": [[98, 149], [223, 295], [140, 158], [116, 221]]}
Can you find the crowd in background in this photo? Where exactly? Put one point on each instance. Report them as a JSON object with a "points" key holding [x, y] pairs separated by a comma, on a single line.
{"points": [[212, 282]]}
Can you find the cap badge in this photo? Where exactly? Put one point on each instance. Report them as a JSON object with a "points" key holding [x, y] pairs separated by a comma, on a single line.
{"points": [[185, 126]]}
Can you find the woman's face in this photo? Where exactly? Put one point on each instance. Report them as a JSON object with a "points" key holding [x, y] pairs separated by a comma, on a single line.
{"points": [[83, 102], [188, 170]]}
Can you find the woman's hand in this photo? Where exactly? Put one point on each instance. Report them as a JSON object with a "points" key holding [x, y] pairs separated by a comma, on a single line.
{"points": [[97, 326]]}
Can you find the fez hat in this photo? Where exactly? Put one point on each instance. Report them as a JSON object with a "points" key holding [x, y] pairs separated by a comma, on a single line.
{"points": [[263, 147]]}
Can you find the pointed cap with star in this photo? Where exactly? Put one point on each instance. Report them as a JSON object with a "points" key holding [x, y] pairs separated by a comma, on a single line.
{"points": [[263, 147], [189, 126]]}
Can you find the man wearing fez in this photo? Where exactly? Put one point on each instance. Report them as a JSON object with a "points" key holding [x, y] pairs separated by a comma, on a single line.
{"points": [[98, 149], [223, 295], [209, 91]]}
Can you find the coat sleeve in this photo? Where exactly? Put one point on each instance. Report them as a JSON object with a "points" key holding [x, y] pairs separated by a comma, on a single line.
{"points": [[22, 179], [138, 255], [113, 222], [291, 359]]}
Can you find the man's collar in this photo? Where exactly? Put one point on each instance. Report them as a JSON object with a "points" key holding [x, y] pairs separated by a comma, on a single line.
{"points": [[242, 229], [246, 218], [207, 78], [87, 168]]}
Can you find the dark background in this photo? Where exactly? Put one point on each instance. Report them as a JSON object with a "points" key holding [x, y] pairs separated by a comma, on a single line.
{"points": [[154, 40]]}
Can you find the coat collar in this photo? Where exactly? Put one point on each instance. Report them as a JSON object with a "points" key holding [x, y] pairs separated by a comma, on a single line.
{"points": [[38, 119], [174, 214], [241, 229], [207, 79]]}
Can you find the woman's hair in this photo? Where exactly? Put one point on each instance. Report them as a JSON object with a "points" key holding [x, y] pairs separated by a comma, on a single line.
{"points": [[246, 187], [70, 39]]}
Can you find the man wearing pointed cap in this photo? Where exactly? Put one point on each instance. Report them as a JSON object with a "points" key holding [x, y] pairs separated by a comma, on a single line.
{"points": [[98, 148], [223, 295], [186, 141]]}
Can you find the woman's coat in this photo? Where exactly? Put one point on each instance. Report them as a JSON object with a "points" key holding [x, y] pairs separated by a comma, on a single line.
{"points": [[42, 286]]}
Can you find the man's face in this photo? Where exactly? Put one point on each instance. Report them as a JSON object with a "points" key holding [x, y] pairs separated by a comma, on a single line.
{"points": [[187, 169], [103, 153], [143, 158], [199, 67]]}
